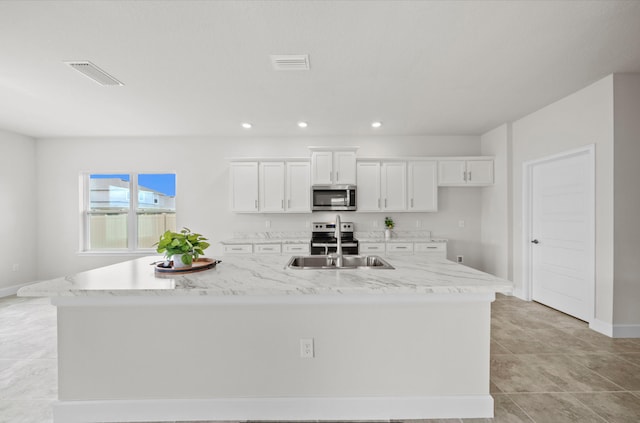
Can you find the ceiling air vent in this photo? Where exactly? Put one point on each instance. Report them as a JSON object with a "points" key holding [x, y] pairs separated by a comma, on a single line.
{"points": [[290, 62], [93, 72]]}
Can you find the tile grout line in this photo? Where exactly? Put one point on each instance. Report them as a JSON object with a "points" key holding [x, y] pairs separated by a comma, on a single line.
{"points": [[602, 376], [521, 409]]}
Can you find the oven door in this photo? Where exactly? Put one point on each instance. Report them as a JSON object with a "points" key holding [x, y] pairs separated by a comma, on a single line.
{"points": [[323, 248]]}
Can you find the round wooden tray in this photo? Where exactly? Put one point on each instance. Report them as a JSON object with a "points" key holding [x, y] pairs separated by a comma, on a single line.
{"points": [[203, 263]]}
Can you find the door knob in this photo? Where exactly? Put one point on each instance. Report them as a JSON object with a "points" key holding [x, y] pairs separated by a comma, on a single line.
{"points": [[535, 241]]}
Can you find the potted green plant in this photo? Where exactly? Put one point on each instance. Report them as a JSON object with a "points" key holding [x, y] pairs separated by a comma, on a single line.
{"points": [[389, 224], [182, 247]]}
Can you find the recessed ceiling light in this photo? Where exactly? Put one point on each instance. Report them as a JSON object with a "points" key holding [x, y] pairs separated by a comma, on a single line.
{"points": [[376, 124], [303, 124], [246, 125]]}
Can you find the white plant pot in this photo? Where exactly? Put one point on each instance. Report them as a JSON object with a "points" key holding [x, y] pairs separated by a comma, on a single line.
{"points": [[178, 263], [387, 234]]}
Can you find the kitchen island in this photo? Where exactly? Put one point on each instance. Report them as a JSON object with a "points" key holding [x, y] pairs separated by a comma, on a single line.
{"points": [[253, 340]]}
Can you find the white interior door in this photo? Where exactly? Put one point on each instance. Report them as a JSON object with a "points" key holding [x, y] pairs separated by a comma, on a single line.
{"points": [[562, 231]]}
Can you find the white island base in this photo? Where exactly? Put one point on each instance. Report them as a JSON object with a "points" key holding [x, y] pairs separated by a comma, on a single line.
{"points": [[376, 357]]}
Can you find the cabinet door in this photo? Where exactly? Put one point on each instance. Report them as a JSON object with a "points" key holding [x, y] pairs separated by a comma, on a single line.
{"points": [[479, 172], [298, 188], [244, 187], [452, 172], [271, 187], [368, 191], [322, 167], [394, 186], [345, 167], [423, 186]]}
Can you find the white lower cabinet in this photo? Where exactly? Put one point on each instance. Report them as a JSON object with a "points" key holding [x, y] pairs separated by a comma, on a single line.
{"points": [[268, 248], [400, 247], [427, 249], [238, 249], [296, 249], [372, 247], [435, 249]]}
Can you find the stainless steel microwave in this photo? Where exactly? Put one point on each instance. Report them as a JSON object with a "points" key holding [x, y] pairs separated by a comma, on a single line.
{"points": [[333, 197]]}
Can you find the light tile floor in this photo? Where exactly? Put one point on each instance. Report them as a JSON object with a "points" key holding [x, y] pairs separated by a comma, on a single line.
{"points": [[546, 367]]}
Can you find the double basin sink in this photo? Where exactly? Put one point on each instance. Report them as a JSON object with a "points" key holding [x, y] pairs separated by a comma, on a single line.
{"points": [[329, 262]]}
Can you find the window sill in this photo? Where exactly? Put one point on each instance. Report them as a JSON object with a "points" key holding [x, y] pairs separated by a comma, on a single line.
{"points": [[117, 253]]}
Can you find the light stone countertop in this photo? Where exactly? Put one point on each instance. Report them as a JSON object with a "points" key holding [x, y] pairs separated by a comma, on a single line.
{"points": [[267, 276], [268, 238]]}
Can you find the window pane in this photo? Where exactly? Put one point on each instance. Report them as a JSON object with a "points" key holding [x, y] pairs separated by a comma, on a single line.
{"points": [[108, 231], [109, 192], [156, 207], [109, 196]]}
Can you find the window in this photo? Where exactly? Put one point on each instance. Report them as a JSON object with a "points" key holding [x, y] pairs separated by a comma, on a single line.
{"points": [[127, 212]]}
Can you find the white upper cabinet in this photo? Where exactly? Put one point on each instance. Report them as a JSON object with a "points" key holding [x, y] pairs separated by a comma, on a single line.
{"points": [[345, 167], [368, 191], [271, 184], [244, 187], [465, 172], [393, 186], [422, 184], [298, 187], [479, 172], [333, 167]]}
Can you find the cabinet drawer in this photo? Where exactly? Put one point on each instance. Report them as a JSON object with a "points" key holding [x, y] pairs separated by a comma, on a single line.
{"points": [[296, 248], [400, 247], [238, 249], [371, 247], [268, 248], [430, 247]]}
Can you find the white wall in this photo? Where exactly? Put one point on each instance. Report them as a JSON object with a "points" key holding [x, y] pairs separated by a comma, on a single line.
{"points": [[583, 118], [495, 234], [17, 209], [202, 189], [627, 199]]}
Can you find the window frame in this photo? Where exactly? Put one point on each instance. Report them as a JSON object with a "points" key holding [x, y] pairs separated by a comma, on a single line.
{"points": [[132, 216]]}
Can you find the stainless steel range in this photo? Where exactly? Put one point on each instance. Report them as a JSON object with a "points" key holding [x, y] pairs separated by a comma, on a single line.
{"points": [[324, 241]]}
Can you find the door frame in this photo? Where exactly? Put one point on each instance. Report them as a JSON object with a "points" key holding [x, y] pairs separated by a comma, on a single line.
{"points": [[527, 215]]}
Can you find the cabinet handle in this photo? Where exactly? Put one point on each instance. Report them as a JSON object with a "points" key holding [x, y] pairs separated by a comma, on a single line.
{"points": [[431, 248], [412, 203], [464, 176], [373, 248], [469, 176], [267, 249], [337, 176], [385, 203], [282, 204], [256, 204], [236, 249], [378, 203], [401, 248]]}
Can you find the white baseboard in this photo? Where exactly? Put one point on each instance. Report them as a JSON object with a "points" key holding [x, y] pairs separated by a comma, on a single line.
{"points": [[615, 331], [601, 327], [282, 409], [626, 331], [518, 293], [12, 290]]}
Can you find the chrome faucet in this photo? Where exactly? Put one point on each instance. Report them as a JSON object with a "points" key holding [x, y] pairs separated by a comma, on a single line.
{"points": [[338, 235]]}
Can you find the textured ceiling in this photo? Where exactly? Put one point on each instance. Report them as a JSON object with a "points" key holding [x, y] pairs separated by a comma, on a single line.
{"points": [[203, 67]]}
